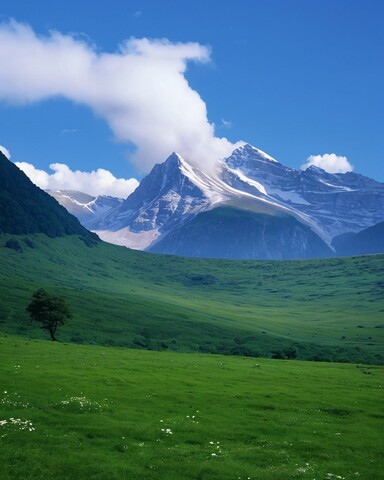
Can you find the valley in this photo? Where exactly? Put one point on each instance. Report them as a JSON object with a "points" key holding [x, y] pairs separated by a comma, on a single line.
{"points": [[191, 240], [327, 310], [176, 367]]}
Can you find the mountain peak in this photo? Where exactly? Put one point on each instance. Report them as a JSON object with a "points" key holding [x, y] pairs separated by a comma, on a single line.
{"points": [[315, 169], [174, 156], [175, 159], [250, 150], [175, 192]]}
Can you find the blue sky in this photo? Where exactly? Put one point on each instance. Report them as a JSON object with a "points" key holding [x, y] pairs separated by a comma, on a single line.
{"points": [[294, 78]]}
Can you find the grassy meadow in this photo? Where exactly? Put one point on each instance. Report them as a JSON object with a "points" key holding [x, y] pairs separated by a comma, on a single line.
{"points": [[327, 310], [93, 412], [87, 407]]}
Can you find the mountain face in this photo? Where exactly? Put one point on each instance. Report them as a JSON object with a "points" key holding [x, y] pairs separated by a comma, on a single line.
{"points": [[176, 198], [368, 241], [337, 203], [85, 207], [172, 192], [227, 232], [26, 208]]}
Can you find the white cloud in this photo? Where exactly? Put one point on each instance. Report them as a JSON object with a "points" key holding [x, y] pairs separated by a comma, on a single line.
{"points": [[330, 162], [97, 182], [5, 152], [140, 90], [68, 131], [226, 123]]}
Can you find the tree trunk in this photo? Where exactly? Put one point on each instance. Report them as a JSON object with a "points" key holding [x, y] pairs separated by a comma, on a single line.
{"points": [[52, 333]]}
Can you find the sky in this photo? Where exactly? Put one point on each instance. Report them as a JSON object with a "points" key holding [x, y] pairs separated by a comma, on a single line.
{"points": [[93, 95]]}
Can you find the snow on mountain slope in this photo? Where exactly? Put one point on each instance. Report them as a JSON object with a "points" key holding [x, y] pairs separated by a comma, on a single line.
{"points": [[175, 192], [167, 195], [337, 203], [125, 237], [83, 206]]}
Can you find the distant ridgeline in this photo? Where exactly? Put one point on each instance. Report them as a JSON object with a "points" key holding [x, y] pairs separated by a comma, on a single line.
{"points": [[27, 209]]}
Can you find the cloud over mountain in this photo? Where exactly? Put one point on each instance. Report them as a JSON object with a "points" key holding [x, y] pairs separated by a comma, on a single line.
{"points": [[330, 162], [140, 90], [97, 182]]}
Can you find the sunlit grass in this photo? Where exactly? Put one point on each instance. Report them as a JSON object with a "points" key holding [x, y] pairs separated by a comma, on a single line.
{"points": [[98, 412], [329, 309]]}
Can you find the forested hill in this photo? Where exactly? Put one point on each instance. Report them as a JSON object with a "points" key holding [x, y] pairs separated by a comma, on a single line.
{"points": [[26, 208]]}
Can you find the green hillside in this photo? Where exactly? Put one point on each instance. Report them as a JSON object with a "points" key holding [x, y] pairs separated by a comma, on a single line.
{"points": [[89, 412], [27, 209], [329, 309]]}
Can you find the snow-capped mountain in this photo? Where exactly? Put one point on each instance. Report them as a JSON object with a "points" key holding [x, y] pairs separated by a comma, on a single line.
{"points": [[83, 206], [173, 193], [164, 198], [284, 207], [337, 203]]}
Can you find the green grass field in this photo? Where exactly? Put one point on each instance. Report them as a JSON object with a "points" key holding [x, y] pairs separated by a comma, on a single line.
{"points": [[92, 412], [329, 309], [87, 407]]}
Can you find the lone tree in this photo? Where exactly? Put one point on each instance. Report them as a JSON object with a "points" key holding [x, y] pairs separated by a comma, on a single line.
{"points": [[48, 309]]}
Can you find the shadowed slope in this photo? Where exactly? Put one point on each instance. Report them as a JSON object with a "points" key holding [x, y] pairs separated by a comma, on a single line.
{"points": [[26, 208]]}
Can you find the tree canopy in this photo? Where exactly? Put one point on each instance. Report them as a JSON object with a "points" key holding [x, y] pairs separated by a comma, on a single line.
{"points": [[48, 309]]}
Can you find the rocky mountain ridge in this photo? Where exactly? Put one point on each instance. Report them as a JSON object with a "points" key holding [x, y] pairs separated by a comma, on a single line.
{"points": [[175, 192], [157, 215], [83, 206]]}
